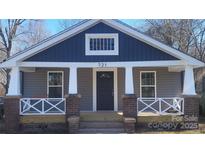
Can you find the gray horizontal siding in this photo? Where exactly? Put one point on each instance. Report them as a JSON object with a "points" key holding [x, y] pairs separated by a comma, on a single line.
{"points": [[168, 83], [35, 83]]}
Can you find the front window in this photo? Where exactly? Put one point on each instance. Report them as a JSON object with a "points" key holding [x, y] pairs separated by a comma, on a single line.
{"points": [[55, 84], [101, 44], [148, 84]]}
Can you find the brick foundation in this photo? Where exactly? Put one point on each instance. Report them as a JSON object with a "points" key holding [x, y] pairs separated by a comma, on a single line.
{"points": [[191, 105], [191, 109], [129, 112], [73, 124], [11, 111], [129, 105], [73, 112], [73, 105], [129, 125]]}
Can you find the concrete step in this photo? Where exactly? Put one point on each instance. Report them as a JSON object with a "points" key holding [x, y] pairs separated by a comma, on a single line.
{"points": [[101, 116], [101, 124], [101, 131]]}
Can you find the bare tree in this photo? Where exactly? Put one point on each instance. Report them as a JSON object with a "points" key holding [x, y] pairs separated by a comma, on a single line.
{"points": [[178, 33], [199, 42], [15, 35], [8, 32], [186, 35], [66, 23], [34, 32], [161, 30]]}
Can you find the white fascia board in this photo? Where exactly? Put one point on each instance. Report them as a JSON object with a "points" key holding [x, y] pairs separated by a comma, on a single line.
{"points": [[8, 64], [105, 64], [190, 60]]}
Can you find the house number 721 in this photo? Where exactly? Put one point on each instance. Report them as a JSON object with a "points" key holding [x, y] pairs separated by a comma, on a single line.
{"points": [[102, 64]]}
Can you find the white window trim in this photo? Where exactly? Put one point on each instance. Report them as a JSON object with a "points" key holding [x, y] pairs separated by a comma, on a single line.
{"points": [[48, 86], [89, 52], [114, 70], [155, 86]]}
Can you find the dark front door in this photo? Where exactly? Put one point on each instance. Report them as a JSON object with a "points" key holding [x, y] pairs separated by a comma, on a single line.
{"points": [[105, 90]]}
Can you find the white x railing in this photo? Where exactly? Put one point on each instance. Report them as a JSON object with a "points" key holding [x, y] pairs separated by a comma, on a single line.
{"points": [[42, 106], [161, 106]]}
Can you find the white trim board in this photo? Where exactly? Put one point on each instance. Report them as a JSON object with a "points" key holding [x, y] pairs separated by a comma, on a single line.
{"points": [[113, 23], [167, 63], [95, 70]]}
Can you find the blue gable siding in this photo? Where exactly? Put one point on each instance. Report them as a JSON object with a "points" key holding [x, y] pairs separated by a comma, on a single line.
{"points": [[73, 49]]}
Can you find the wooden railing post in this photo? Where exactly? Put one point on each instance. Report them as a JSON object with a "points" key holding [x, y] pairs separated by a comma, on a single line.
{"points": [[160, 106], [43, 106]]}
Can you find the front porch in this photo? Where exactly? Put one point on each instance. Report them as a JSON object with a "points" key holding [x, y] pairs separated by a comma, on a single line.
{"points": [[45, 92], [102, 88]]}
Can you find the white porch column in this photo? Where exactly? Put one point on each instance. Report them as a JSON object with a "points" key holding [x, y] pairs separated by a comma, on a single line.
{"points": [[189, 83], [73, 81], [14, 84], [129, 87]]}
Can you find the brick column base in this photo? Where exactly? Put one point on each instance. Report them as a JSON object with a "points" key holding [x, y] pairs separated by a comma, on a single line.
{"points": [[73, 124], [129, 105], [11, 111], [129, 125], [191, 105], [129, 112], [73, 112], [191, 110]]}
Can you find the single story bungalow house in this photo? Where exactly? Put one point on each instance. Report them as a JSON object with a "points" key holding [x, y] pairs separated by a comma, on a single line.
{"points": [[99, 66]]}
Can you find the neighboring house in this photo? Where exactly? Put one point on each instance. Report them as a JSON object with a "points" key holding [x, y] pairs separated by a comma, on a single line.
{"points": [[101, 60]]}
